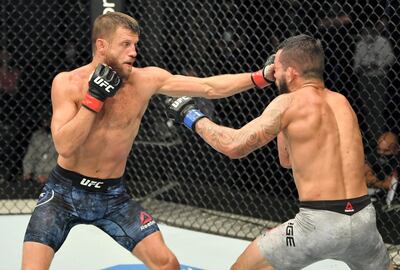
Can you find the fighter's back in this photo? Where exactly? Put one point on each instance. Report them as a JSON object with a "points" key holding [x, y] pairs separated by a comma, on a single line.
{"points": [[325, 146]]}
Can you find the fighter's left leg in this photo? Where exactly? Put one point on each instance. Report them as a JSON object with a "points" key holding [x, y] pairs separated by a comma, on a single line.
{"points": [[155, 254], [136, 230]]}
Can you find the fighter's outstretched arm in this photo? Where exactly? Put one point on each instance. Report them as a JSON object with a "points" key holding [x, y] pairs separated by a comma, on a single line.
{"points": [[211, 87], [235, 143], [215, 86]]}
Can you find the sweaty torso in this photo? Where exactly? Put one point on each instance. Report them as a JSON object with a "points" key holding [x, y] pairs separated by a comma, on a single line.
{"points": [[105, 151], [325, 146]]}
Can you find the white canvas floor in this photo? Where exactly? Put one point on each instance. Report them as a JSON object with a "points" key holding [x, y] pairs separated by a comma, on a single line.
{"points": [[89, 248]]}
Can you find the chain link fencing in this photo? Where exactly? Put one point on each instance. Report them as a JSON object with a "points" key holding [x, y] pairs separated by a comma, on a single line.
{"points": [[171, 171]]}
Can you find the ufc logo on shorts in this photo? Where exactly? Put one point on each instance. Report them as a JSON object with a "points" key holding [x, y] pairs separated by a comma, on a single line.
{"points": [[102, 83], [90, 183]]}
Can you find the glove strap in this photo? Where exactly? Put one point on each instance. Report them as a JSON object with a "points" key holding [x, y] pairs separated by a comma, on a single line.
{"points": [[192, 117], [258, 79], [92, 103]]}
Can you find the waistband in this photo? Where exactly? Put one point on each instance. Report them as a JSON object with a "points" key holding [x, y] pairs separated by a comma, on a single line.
{"points": [[348, 206], [83, 181]]}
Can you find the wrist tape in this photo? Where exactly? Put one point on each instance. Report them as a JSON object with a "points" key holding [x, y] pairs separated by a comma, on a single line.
{"points": [[192, 117]]}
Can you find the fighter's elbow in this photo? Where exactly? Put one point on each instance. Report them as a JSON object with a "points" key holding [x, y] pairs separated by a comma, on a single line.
{"points": [[284, 159], [65, 151], [211, 92], [285, 164], [235, 153]]}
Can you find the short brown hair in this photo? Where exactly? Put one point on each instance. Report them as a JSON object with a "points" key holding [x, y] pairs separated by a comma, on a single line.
{"points": [[105, 25], [305, 53]]}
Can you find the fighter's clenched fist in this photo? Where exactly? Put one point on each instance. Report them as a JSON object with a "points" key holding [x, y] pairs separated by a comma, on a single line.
{"points": [[104, 83]]}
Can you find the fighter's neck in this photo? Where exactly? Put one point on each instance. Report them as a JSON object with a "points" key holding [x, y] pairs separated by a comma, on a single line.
{"points": [[96, 60], [317, 84], [314, 85]]}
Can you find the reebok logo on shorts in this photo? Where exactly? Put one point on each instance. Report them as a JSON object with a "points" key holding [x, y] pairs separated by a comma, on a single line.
{"points": [[349, 208], [146, 220]]}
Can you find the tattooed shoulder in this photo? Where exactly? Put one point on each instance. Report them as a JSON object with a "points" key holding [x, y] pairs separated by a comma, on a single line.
{"points": [[273, 114]]}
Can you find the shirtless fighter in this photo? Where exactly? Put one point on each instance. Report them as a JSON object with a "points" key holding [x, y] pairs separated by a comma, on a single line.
{"points": [[319, 138], [94, 126]]}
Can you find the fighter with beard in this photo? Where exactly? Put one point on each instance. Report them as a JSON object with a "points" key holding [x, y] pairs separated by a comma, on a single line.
{"points": [[319, 138], [94, 126]]}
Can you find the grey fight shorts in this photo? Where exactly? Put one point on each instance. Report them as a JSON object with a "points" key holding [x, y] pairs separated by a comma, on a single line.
{"points": [[69, 198], [343, 230]]}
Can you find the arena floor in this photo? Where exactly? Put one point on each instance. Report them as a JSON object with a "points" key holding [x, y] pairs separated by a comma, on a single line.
{"points": [[89, 248]]}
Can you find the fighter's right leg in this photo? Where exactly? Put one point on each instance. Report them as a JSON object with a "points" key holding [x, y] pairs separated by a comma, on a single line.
{"points": [[36, 256], [48, 227], [252, 259]]}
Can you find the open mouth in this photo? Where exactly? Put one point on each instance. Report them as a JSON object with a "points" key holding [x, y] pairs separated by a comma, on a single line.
{"points": [[129, 63]]}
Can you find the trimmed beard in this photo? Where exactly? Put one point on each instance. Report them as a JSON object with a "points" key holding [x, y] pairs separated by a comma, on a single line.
{"points": [[283, 86], [113, 63]]}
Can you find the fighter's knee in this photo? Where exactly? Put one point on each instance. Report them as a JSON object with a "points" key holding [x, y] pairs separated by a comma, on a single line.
{"points": [[166, 261], [174, 264], [171, 263]]}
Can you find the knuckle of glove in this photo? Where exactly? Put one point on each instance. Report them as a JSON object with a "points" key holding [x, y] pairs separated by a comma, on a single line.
{"points": [[105, 82], [116, 81], [268, 74], [268, 71], [99, 71], [178, 107], [172, 108], [270, 60]]}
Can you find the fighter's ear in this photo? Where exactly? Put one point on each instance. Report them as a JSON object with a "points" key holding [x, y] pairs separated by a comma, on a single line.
{"points": [[101, 45], [292, 73]]}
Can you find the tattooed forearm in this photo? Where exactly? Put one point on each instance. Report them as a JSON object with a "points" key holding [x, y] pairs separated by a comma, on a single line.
{"points": [[240, 142], [251, 141], [256, 138], [214, 135]]}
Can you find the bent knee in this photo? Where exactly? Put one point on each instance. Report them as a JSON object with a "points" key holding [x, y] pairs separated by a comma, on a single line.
{"points": [[166, 261]]}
